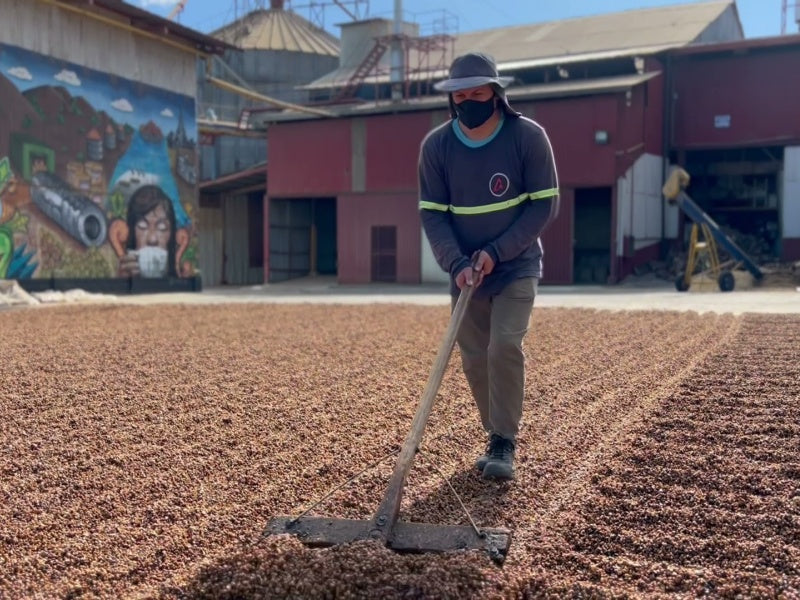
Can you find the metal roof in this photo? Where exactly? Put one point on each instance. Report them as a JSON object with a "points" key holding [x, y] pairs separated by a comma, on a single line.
{"points": [[673, 26], [278, 29], [743, 46], [252, 177], [126, 15], [560, 89], [638, 32]]}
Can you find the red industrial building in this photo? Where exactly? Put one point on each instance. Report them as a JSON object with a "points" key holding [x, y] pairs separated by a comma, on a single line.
{"points": [[679, 86]]}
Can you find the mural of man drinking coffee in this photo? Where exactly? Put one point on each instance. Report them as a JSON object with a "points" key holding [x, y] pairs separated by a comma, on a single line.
{"points": [[97, 174]]}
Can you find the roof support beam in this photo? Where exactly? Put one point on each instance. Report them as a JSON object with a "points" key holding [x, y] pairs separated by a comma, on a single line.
{"points": [[246, 93]]}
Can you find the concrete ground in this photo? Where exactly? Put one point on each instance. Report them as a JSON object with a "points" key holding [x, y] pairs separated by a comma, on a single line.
{"points": [[647, 294]]}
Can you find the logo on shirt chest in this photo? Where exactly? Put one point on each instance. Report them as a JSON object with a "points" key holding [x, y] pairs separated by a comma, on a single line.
{"points": [[498, 184]]}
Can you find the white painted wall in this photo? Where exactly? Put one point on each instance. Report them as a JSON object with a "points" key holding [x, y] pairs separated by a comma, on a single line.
{"points": [[639, 202], [790, 217], [51, 31], [431, 272]]}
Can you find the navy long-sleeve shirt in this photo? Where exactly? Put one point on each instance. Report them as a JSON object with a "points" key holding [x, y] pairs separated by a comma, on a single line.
{"points": [[496, 194]]}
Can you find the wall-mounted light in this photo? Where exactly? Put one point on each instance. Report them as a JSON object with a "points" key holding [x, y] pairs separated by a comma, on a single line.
{"points": [[601, 137]]}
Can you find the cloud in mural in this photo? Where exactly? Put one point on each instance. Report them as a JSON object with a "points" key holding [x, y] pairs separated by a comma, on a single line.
{"points": [[20, 73], [167, 113], [68, 77], [122, 105], [157, 2]]}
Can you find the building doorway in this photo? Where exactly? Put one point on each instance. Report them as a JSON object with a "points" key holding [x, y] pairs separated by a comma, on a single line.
{"points": [[591, 253], [302, 238], [740, 189]]}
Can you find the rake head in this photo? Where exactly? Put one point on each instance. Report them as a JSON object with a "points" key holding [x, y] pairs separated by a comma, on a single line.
{"points": [[404, 537]]}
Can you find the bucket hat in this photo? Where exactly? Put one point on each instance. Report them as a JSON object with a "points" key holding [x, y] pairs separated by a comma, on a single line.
{"points": [[472, 70]]}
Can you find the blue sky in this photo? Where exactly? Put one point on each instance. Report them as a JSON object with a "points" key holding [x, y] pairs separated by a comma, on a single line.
{"points": [[760, 18], [123, 100]]}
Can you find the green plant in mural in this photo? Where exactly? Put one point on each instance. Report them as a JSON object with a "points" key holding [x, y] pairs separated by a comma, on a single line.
{"points": [[74, 108], [190, 254], [19, 223], [117, 202], [6, 252], [27, 122], [84, 265]]}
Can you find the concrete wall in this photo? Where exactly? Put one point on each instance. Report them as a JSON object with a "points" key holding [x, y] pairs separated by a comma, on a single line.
{"points": [[358, 38]]}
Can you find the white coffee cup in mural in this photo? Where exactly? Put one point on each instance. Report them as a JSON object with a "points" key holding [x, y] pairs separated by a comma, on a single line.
{"points": [[152, 261]]}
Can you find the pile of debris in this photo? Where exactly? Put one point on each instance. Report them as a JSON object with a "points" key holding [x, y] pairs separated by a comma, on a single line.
{"points": [[13, 295], [757, 247]]}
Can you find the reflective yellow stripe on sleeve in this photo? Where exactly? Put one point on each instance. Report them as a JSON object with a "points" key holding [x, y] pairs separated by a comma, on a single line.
{"points": [[433, 206], [487, 208], [540, 195]]}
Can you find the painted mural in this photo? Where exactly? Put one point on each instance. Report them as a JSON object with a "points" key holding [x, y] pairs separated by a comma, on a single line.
{"points": [[97, 174]]}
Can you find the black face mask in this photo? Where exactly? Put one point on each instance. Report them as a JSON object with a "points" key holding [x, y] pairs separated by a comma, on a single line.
{"points": [[474, 113]]}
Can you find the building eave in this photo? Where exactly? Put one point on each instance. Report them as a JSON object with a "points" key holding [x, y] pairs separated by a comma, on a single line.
{"points": [[116, 13], [545, 91]]}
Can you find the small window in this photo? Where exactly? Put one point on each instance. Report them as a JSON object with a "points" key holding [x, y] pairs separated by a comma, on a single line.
{"points": [[384, 253]]}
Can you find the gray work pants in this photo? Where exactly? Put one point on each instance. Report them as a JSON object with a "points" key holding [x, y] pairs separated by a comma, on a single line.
{"points": [[490, 341]]}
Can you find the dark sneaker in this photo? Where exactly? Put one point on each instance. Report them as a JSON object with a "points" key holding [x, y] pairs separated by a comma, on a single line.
{"points": [[482, 460], [501, 459]]}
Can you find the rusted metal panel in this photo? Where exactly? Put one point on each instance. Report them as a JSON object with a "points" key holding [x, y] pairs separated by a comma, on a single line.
{"points": [[393, 143], [557, 243], [309, 158], [357, 214], [737, 99]]}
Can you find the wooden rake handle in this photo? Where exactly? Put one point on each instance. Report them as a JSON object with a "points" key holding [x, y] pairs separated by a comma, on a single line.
{"points": [[389, 509]]}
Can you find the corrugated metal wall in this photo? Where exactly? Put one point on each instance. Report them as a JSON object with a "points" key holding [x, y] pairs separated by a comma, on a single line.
{"points": [[360, 159], [309, 159], [557, 242], [54, 32], [357, 214], [237, 269], [210, 236], [759, 91]]}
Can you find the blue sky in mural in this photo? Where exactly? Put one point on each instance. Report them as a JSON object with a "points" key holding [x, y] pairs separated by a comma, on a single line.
{"points": [[123, 100]]}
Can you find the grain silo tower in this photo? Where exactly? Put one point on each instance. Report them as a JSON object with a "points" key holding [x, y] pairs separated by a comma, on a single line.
{"points": [[280, 50]]}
